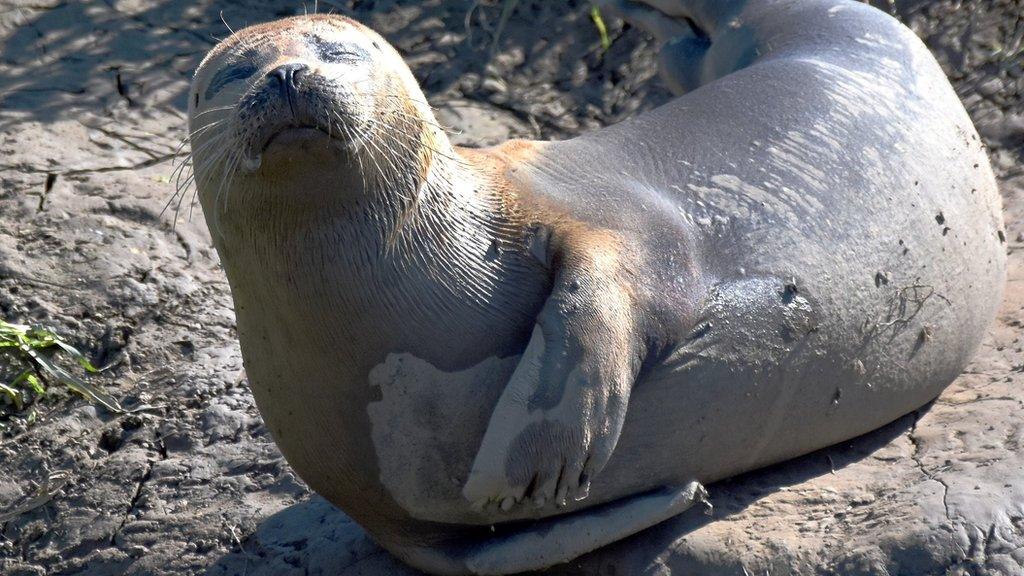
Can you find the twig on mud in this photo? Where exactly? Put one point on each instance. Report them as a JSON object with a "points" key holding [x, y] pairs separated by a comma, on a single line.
{"points": [[233, 530], [506, 13], [54, 483], [508, 7]]}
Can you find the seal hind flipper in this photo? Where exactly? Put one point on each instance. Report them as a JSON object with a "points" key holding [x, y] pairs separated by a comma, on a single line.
{"points": [[685, 29], [556, 540], [560, 415]]}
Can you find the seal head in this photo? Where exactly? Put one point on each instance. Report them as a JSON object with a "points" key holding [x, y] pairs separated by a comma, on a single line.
{"points": [[324, 91]]}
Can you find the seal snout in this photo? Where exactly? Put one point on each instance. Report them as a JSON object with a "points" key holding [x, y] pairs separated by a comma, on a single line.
{"points": [[286, 76], [285, 97], [289, 105]]}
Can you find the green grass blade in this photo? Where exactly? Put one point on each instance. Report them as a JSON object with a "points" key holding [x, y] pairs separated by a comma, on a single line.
{"points": [[13, 394], [28, 341], [39, 338], [595, 15], [78, 356], [74, 382], [32, 380]]}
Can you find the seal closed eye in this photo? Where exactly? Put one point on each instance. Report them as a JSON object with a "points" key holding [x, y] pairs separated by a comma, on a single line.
{"points": [[497, 360], [231, 73], [337, 52]]}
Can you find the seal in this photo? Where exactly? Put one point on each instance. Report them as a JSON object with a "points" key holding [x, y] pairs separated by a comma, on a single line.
{"points": [[496, 360]]}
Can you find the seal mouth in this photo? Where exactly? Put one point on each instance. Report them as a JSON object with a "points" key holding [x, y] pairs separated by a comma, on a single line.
{"points": [[293, 134], [289, 137]]}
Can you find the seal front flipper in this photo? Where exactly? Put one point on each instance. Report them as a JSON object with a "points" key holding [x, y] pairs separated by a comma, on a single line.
{"points": [[559, 418]]}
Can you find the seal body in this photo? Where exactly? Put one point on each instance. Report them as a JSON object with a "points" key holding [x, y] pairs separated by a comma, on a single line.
{"points": [[445, 343], [818, 234]]}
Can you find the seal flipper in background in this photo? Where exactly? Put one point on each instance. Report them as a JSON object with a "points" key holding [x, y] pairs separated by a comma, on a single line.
{"points": [[686, 30], [560, 416]]}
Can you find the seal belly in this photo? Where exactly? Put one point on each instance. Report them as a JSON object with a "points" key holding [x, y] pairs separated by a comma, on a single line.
{"points": [[377, 416]]}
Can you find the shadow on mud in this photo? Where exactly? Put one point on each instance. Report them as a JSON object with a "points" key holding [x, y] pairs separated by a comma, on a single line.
{"points": [[311, 537], [74, 56]]}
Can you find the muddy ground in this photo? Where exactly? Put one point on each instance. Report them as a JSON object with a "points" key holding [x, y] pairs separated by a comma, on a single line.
{"points": [[91, 114]]}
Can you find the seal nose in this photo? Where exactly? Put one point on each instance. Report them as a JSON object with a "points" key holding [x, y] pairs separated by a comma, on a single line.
{"points": [[287, 75]]}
